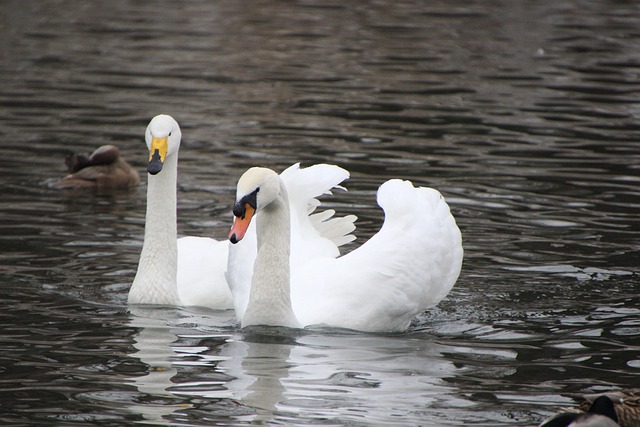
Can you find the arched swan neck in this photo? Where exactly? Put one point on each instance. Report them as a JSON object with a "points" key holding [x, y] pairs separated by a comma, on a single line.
{"points": [[270, 296], [155, 281]]}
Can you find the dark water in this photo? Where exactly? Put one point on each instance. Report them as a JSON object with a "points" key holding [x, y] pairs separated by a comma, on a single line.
{"points": [[523, 114]]}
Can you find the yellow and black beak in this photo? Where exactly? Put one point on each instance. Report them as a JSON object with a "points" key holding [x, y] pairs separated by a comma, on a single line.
{"points": [[157, 154]]}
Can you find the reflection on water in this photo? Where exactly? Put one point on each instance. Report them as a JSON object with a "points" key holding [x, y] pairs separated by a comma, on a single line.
{"points": [[524, 115], [280, 375], [153, 348]]}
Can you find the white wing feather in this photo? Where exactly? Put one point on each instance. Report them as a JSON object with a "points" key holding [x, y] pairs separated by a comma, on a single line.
{"points": [[408, 266]]}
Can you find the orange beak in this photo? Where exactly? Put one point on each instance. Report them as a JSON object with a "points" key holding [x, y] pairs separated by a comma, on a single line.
{"points": [[241, 224]]}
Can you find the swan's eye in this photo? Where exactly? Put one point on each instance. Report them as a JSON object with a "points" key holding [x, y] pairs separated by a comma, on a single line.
{"points": [[169, 133], [239, 209]]}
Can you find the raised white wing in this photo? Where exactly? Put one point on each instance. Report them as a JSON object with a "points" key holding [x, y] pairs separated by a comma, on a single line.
{"points": [[409, 265]]}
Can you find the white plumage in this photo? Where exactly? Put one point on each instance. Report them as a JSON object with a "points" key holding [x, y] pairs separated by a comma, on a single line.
{"points": [[180, 272], [190, 271], [408, 266]]}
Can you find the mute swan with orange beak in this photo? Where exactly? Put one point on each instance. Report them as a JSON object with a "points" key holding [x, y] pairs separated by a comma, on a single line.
{"points": [[411, 264]]}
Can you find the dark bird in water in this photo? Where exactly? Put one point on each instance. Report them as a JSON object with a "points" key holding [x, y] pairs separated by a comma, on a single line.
{"points": [[600, 414], [613, 408], [103, 169], [626, 403]]}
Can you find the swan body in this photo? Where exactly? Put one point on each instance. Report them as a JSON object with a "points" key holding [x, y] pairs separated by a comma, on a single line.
{"points": [[105, 168], [313, 234], [171, 271], [408, 266], [202, 263]]}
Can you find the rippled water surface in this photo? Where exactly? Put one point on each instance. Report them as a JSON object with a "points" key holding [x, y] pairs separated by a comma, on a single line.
{"points": [[523, 114]]}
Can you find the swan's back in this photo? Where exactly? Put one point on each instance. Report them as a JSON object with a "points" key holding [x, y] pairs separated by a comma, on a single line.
{"points": [[202, 263], [410, 265]]}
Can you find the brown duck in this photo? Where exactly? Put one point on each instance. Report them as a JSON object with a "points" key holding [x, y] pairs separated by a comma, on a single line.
{"points": [[103, 169], [619, 406], [625, 402]]}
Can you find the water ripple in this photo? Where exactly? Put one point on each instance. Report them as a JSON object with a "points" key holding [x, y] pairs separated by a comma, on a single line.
{"points": [[522, 115]]}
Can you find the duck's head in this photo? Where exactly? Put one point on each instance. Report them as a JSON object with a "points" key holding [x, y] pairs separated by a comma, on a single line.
{"points": [[257, 188], [163, 139]]}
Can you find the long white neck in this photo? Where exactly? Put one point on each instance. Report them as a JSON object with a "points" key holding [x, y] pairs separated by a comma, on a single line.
{"points": [[155, 281], [270, 296]]}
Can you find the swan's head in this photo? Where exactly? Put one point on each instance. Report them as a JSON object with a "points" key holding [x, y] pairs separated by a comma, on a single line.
{"points": [[163, 139], [257, 188]]}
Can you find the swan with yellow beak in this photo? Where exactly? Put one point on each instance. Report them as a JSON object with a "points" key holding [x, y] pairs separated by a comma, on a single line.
{"points": [[158, 150], [179, 272]]}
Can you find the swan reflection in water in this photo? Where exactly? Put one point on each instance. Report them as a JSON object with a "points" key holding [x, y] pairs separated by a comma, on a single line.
{"points": [[248, 372], [263, 374], [153, 343]]}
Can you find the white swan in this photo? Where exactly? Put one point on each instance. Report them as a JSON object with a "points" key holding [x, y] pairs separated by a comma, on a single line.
{"points": [[181, 272], [313, 235], [409, 265], [190, 271]]}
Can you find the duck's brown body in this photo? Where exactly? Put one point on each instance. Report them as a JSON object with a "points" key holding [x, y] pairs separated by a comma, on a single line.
{"points": [[103, 169], [626, 403]]}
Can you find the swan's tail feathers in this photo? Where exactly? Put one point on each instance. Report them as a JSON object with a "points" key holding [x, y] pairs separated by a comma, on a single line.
{"points": [[338, 230]]}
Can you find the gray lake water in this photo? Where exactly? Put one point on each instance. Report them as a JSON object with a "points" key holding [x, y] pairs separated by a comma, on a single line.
{"points": [[525, 115]]}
